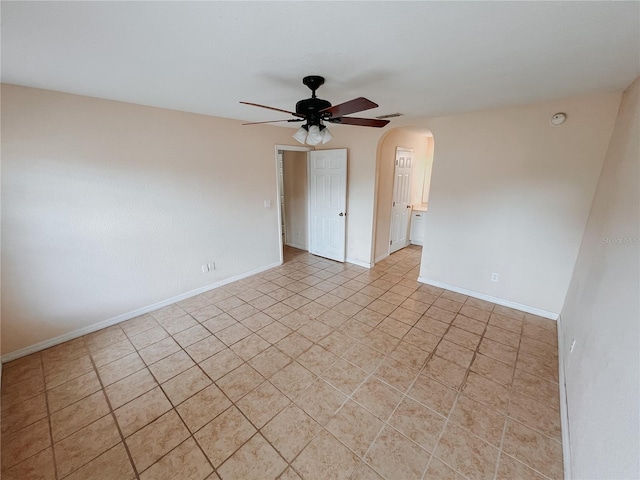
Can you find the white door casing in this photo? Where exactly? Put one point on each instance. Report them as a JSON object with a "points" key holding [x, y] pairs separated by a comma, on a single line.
{"points": [[401, 207], [279, 149], [328, 203], [283, 232]]}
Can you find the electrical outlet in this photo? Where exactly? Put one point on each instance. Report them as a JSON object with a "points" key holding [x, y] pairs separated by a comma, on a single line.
{"points": [[573, 344], [208, 267], [494, 277]]}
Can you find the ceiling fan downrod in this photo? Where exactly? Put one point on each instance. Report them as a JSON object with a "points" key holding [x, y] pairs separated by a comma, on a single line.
{"points": [[312, 107]]}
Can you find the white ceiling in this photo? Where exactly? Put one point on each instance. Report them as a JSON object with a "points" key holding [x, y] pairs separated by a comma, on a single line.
{"points": [[418, 58]]}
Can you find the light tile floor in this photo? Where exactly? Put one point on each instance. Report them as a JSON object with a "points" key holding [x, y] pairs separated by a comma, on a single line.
{"points": [[314, 370]]}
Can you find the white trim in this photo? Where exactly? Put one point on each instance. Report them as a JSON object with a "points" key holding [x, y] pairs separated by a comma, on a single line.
{"points": [[308, 202], [295, 245], [564, 406], [127, 316], [293, 148], [281, 234], [283, 148], [358, 262], [488, 298]]}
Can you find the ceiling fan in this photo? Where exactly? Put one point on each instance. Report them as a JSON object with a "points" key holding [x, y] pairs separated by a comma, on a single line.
{"points": [[315, 111]]}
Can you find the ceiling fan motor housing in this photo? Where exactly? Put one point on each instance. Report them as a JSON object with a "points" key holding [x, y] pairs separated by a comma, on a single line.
{"points": [[311, 107]]}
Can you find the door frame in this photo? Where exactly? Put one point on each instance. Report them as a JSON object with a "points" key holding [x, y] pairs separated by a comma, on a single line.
{"points": [[279, 148]]}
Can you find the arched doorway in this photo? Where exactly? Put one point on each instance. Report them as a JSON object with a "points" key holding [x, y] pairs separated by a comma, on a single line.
{"points": [[419, 143]]}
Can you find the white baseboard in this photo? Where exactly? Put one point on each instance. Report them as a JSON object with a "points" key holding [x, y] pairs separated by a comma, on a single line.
{"points": [[489, 298], [295, 245], [358, 262], [564, 406], [65, 337]]}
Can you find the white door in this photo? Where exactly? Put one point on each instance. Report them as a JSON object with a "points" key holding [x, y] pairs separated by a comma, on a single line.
{"points": [[328, 203], [401, 208]]}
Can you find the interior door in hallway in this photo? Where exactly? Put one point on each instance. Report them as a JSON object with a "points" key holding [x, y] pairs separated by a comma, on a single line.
{"points": [[328, 203], [401, 208]]}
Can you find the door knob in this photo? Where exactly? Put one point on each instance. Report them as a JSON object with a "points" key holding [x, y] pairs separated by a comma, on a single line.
{"points": [[341, 214]]}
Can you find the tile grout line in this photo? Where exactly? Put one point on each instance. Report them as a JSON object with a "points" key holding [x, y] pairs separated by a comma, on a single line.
{"points": [[50, 414], [234, 404], [348, 397], [175, 409], [83, 398], [385, 424], [115, 420], [508, 417], [46, 400], [506, 420], [404, 395], [458, 393]]}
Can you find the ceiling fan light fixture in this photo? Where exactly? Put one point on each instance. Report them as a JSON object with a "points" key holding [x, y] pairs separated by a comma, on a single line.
{"points": [[326, 135], [301, 134], [314, 137]]}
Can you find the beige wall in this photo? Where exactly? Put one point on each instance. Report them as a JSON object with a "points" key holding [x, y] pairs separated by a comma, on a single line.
{"points": [[428, 167], [510, 194], [296, 201], [602, 313], [385, 171], [110, 207], [361, 145], [0, 269]]}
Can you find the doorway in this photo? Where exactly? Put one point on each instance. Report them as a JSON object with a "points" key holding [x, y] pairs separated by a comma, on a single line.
{"points": [[292, 188], [401, 205], [395, 229], [312, 192], [294, 198]]}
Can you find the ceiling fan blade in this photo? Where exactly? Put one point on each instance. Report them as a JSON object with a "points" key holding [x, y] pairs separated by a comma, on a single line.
{"points": [[273, 108], [363, 122], [276, 121], [359, 104]]}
